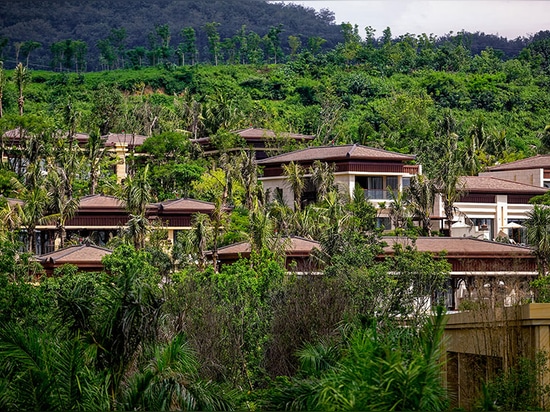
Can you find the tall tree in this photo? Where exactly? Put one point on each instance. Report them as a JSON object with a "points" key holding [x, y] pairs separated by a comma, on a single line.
{"points": [[165, 51], [96, 152], [273, 43], [189, 44], [421, 198], [27, 48], [449, 169], [117, 39], [322, 177], [32, 211], [21, 77], [294, 173], [211, 30], [294, 43], [136, 195]]}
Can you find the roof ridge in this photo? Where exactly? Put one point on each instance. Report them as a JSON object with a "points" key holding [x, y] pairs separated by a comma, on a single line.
{"points": [[350, 151], [512, 181]]}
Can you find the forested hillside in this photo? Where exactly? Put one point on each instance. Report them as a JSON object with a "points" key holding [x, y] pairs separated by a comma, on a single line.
{"points": [[72, 36], [403, 95], [93, 21], [166, 328]]}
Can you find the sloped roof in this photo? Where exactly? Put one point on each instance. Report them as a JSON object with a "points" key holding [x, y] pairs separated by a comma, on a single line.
{"points": [[255, 133], [461, 247], [12, 201], [298, 246], [489, 184], [185, 204], [82, 254], [535, 162], [15, 134], [100, 202], [130, 139], [333, 153]]}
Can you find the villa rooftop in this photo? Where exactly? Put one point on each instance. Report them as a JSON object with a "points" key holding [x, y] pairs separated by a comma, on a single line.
{"points": [[335, 153]]}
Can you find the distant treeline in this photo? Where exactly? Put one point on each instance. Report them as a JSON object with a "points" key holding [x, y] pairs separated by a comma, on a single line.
{"points": [[99, 35]]}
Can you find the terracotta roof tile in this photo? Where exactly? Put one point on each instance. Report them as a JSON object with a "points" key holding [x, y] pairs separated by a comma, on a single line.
{"points": [[100, 201], [131, 140], [15, 134], [254, 133], [298, 245], [76, 254], [332, 153], [12, 202], [186, 204], [488, 184], [535, 162], [461, 247]]}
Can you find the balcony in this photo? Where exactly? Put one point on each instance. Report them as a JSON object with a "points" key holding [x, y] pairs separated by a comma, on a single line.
{"points": [[379, 194]]}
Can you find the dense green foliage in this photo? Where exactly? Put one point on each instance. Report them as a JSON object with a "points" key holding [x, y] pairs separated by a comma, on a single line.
{"points": [[165, 327], [115, 33]]}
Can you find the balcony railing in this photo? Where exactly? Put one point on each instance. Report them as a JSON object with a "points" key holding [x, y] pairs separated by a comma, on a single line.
{"points": [[379, 194]]}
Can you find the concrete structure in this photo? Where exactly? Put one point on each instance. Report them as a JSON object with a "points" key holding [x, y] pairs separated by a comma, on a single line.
{"points": [[533, 171], [377, 171], [494, 273], [481, 343], [489, 206], [121, 144], [100, 217]]}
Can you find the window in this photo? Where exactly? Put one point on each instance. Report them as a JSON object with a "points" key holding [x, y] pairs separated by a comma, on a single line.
{"points": [[392, 182], [383, 222]]}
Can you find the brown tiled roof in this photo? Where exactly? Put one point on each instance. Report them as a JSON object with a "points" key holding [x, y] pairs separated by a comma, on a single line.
{"points": [[12, 202], [535, 162], [461, 247], [254, 133], [76, 254], [298, 246], [100, 202], [128, 138], [15, 134], [488, 184], [185, 204], [332, 153]]}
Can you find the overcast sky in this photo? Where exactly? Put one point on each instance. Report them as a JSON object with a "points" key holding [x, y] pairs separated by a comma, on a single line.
{"points": [[507, 18]]}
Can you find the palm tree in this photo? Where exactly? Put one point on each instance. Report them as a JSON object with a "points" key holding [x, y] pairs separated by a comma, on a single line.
{"points": [[31, 213], [248, 176], [96, 152], [538, 235], [262, 232], [64, 207], [44, 372], [219, 221], [294, 173], [135, 193], [169, 380], [398, 209], [21, 77], [322, 177], [448, 174], [421, 198], [201, 233]]}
